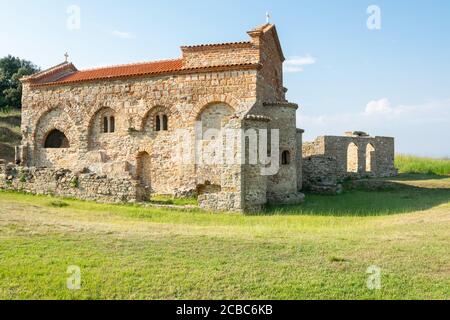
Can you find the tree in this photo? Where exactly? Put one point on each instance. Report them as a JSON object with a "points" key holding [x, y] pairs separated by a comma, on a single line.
{"points": [[12, 69]]}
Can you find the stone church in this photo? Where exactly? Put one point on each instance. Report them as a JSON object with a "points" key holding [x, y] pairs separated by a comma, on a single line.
{"points": [[123, 123], [124, 133]]}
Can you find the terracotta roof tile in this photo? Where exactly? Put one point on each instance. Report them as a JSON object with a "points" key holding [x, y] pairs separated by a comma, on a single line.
{"points": [[137, 69]]}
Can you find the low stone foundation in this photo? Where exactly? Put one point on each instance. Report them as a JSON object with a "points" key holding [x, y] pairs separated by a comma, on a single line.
{"points": [[65, 183], [101, 188]]}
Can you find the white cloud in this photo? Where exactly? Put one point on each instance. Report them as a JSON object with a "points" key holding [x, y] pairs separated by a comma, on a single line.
{"points": [[382, 106], [421, 129], [123, 35], [297, 64]]}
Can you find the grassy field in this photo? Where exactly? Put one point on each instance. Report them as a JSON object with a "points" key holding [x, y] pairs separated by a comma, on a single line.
{"points": [[412, 164], [320, 250]]}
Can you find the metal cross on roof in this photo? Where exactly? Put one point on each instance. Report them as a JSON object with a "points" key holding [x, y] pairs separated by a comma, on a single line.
{"points": [[267, 17], [66, 55]]}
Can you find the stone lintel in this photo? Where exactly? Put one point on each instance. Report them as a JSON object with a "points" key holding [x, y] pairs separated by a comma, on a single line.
{"points": [[281, 104], [255, 117]]}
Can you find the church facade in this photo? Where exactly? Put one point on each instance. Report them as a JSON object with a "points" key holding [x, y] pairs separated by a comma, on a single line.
{"points": [[159, 124]]}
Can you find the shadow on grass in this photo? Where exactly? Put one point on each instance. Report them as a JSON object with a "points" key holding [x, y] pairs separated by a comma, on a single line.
{"points": [[419, 177], [396, 198]]}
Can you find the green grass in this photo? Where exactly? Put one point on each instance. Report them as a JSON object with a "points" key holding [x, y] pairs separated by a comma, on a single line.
{"points": [[169, 200], [412, 164], [321, 250]]}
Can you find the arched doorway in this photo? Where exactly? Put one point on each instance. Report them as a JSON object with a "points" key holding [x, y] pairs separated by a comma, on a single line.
{"points": [[370, 158], [352, 158], [143, 169]]}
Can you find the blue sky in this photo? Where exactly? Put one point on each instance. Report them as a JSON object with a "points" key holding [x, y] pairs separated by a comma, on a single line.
{"points": [[393, 81]]}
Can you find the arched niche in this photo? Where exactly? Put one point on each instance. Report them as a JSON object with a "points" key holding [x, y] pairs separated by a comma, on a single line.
{"points": [[56, 139], [214, 117]]}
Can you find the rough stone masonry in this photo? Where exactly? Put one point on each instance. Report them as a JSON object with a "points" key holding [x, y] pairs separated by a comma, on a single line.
{"points": [[120, 132]]}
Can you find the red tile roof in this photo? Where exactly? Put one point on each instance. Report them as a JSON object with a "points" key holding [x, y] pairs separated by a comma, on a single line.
{"points": [[135, 70], [129, 70]]}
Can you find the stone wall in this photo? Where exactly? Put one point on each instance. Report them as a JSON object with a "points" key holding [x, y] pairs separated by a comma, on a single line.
{"points": [[65, 183], [330, 159], [299, 158], [320, 174], [77, 111], [284, 184], [219, 55], [270, 82]]}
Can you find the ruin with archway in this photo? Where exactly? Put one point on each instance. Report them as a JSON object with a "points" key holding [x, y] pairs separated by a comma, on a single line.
{"points": [[331, 159]]}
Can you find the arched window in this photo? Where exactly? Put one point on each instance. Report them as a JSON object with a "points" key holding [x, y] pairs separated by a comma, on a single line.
{"points": [[109, 124], [352, 158], [161, 122], [286, 158], [56, 140]]}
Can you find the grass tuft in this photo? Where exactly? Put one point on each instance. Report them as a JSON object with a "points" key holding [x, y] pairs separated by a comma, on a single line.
{"points": [[59, 204], [168, 200], [337, 259]]}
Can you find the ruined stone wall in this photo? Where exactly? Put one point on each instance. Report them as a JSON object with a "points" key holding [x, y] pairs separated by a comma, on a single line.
{"points": [[320, 174], [355, 152], [355, 156], [65, 183]]}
